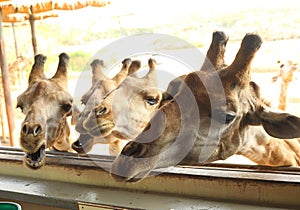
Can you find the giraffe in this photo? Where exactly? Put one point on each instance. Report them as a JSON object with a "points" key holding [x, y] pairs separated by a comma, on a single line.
{"points": [[46, 104], [225, 116], [124, 112], [286, 73], [17, 70], [17, 73], [101, 86], [97, 74]]}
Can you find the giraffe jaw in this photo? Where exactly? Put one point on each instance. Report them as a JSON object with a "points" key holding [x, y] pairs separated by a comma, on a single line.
{"points": [[37, 159]]}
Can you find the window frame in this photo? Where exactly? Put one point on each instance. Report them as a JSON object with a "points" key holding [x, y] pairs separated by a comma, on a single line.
{"points": [[253, 184]]}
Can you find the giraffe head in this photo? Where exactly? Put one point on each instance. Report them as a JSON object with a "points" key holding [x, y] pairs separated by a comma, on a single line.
{"points": [[124, 111], [87, 127], [223, 106], [46, 103]]}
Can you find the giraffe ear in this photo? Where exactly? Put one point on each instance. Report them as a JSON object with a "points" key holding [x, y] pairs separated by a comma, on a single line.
{"points": [[280, 124]]}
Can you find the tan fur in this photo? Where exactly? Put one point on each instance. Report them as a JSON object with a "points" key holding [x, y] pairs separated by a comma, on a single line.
{"points": [[17, 70], [91, 99], [228, 117], [46, 104], [97, 66], [37, 71], [101, 120], [286, 73]]}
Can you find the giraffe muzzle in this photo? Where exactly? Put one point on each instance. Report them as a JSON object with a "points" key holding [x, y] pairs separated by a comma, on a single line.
{"points": [[37, 159]]}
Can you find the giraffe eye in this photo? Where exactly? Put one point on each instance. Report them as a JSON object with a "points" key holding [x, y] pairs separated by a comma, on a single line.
{"points": [[229, 118], [232, 86], [151, 101], [223, 117], [101, 111], [66, 107]]}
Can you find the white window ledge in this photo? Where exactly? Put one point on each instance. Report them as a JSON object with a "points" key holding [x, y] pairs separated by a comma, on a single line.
{"points": [[68, 181]]}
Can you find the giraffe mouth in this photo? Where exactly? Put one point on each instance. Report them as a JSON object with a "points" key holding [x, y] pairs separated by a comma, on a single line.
{"points": [[84, 144], [102, 130], [37, 159]]}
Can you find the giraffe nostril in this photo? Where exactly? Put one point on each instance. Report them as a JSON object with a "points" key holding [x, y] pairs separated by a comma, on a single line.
{"points": [[25, 129], [37, 130], [101, 111], [77, 143], [31, 129]]}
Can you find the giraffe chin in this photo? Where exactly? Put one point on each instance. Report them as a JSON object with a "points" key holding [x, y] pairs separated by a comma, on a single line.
{"points": [[37, 159]]}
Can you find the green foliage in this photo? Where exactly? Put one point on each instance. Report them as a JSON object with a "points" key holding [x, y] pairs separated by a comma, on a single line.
{"points": [[79, 60]]}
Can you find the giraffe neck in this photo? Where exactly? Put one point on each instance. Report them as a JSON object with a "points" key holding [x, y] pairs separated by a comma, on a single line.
{"points": [[283, 95], [286, 76], [266, 150], [62, 142]]}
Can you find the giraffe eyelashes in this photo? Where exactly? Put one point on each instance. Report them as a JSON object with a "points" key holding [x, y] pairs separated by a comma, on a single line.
{"points": [[229, 118], [66, 107], [223, 117], [232, 86], [151, 101]]}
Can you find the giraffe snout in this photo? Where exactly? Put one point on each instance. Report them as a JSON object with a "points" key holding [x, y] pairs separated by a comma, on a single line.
{"points": [[33, 129]]}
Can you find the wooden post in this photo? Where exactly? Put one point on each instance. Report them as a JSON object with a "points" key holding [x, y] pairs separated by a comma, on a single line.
{"points": [[2, 119], [33, 37], [15, 39], [6, 86]]}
